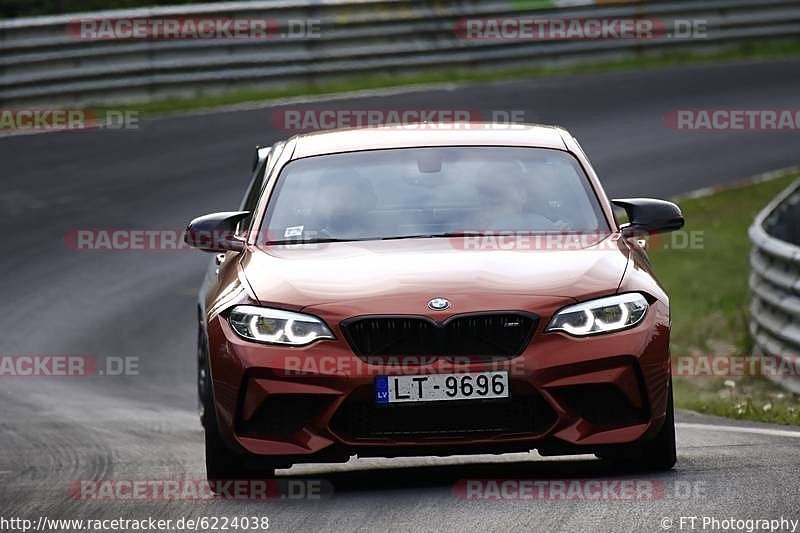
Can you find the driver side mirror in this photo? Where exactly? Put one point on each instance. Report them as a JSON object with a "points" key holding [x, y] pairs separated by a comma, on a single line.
{"points": [[216, 232], [648, 216]]}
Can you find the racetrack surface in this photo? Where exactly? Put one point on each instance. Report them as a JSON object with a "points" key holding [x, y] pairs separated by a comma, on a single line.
{"points": [[57, 301]]}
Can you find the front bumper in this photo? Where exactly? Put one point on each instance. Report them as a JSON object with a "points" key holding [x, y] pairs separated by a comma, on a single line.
{"points": [[315, 403]]}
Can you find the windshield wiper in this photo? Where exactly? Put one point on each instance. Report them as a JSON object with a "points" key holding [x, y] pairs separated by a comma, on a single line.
{"points": [[393, 238], [433, 235], [310, 241]]}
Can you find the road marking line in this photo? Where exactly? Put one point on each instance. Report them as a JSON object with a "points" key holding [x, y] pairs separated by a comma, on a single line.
{"points": [[740, 429]]}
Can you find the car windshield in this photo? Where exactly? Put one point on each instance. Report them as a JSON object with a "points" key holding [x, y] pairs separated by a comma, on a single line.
{"points": [[429, 192]]}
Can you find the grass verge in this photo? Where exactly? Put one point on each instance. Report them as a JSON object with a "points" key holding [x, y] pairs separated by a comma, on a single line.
{"points": [[709, 297], [755, 399], [741, 51]]}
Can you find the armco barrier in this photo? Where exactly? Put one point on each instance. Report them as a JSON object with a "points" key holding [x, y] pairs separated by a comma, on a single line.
{"points": [[41, 61], [775, 280]]}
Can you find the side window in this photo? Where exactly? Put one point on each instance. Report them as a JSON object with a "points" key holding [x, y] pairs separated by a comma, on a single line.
{"points": [[250, 200]]}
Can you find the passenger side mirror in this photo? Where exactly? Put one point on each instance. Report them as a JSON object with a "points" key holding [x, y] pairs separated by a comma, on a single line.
{"points": [[216, 232], [648, 216]]}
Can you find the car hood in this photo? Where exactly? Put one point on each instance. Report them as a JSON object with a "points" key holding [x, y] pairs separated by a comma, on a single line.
{"points": [[399, 276]]}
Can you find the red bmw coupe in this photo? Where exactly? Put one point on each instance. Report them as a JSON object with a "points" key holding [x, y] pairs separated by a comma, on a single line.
{"points": [[402, 291]]}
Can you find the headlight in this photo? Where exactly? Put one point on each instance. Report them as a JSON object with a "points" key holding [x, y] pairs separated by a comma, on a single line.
{"points": [[276, 326], [600, 316]]}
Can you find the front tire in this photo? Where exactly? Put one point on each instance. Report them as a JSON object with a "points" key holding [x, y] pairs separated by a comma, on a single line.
{"points": [[222, 463], [658, 454], [203, 376]]}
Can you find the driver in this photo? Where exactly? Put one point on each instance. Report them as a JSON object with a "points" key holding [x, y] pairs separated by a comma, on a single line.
{"points": [[503, 203], [342, 205], [508, 206]]}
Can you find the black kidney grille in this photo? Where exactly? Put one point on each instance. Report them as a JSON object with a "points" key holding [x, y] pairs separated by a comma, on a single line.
{"points": [[487, 335]]}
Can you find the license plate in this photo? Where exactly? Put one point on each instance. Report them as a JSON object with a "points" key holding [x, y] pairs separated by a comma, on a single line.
{"points": [[441, 387]]}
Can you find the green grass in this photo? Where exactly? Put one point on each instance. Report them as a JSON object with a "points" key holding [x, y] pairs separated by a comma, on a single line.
{"points": [[749, 399], [741, 51], [708, 286], [709, 298]]}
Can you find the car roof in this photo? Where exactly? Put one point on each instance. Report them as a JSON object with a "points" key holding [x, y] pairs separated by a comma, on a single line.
{"points": [[416, 135]]}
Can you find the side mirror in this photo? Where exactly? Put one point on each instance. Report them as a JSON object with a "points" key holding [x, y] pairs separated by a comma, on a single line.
{"points": [[216, 232], [648, 216]]}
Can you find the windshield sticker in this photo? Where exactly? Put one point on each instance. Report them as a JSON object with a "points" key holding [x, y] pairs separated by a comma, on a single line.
{"points": [[293, 231]]}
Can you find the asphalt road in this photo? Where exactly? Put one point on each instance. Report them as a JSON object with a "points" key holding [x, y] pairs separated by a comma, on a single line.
{"points": [[57, 301]]}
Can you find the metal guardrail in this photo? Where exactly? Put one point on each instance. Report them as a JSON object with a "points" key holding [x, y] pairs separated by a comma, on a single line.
{"points": [[41, 62], [775, 281]]}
